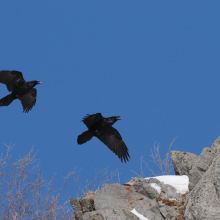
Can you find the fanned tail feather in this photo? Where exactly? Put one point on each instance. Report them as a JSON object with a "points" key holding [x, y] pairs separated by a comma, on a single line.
{"points": [[7, 100], [84, 137]]}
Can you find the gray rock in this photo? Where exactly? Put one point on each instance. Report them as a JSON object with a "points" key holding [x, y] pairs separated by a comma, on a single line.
{"points": [[115, 201], [129, 215], [203, 202], [193, 166], [110, 214], [183, 162], [116, 196], [146, 190], [168, 212], [153, 180], [81, 206], [170, 202], [169, 192], [200, 167]]}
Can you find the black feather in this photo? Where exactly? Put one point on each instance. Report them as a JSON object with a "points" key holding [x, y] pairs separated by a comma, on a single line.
{"points": [[101, 128], [22, 90]]}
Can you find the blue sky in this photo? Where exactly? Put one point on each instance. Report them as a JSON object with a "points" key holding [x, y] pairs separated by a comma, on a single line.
{"points": [[154, 63]]}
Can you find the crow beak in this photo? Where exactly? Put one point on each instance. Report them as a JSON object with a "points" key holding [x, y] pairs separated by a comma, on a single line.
{"points": [[118, 117], [39, 82]]}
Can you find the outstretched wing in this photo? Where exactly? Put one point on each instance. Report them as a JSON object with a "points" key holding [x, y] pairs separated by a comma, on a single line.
{"points": [[89, 120], [11, 78], [28, 100], [113, 140]]}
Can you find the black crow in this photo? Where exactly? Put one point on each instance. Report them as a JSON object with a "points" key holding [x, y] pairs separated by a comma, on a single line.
{"points": [[22, 90], [101, 128]]}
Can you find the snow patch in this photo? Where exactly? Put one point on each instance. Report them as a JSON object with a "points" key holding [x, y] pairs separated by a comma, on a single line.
{"points": [[139, 215], [155, 186], [180, 183]]}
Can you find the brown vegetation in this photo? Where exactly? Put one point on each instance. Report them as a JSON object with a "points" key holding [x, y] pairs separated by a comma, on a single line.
{"points": [[25, 195], [164, 165]]}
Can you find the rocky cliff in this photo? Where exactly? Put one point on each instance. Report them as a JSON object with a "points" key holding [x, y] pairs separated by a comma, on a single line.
{"points": [[202, 202]]}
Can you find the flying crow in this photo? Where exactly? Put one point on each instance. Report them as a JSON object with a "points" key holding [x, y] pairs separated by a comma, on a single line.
{"points": [[22, 90], [101, 128]]}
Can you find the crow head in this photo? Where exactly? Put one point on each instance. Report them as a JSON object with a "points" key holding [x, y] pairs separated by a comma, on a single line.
{"points": [[34, 83], [112, 120]]}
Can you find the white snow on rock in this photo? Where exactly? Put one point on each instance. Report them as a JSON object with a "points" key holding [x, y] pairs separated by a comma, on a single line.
{"points": [[139, 215], [180, 183], [155, 186]]}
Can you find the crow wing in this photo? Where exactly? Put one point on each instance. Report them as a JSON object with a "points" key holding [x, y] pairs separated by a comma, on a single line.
{"points": [[113, 140], [28, 100], [11, 78], [89, 120]]}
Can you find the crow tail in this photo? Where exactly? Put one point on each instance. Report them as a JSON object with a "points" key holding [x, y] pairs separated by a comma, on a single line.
{"points": [[7, 100], [84, 137]]}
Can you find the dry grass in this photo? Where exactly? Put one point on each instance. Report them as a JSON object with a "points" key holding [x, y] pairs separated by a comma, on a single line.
{"points": [[25, 195], [101, 177], [164, 165]]}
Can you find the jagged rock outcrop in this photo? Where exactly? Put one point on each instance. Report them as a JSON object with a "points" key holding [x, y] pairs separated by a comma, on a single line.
{"points": [[115, 201], [203, 200]]}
